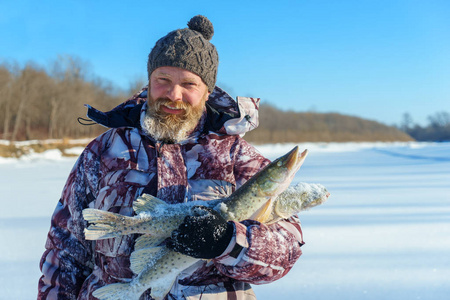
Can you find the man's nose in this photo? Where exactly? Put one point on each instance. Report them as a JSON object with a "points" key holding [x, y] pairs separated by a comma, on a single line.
{"points": [[175, 93]]}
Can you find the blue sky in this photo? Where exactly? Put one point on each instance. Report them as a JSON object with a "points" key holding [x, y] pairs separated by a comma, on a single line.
{"points": [[376, 59]]}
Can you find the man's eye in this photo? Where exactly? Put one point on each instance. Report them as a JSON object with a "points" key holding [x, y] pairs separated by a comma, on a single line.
{"points": [[163, 81]]}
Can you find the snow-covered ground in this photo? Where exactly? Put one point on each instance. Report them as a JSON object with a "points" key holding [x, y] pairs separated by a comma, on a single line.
{"points": [[383, 234]]}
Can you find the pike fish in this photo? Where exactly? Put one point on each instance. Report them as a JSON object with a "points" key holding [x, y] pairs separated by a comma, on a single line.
{"points": [[266, 197]]}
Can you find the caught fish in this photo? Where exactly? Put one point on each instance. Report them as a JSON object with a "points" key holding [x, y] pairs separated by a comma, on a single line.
{"points": [[265, 197]]}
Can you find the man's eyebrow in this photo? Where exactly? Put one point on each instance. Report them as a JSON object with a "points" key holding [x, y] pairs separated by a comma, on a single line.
{"points": [[162, 74], [190, 79]]}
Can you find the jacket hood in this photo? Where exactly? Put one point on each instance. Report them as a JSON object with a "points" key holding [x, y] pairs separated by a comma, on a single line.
{"points": [[224, 114]]}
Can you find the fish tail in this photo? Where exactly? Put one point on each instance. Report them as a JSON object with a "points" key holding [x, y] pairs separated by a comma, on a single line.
{"points": [[147, 203], [104, 224], [116, 291]]}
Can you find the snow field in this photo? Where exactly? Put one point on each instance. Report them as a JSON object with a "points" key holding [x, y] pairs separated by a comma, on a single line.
{"points": [[383, 234]]}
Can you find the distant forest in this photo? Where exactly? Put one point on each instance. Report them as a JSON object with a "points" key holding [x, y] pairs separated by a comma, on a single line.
{"points": [[44, 103], [277, 126], [437, 130], [39, 103]]}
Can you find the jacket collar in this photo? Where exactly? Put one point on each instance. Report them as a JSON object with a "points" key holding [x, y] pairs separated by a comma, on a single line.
{"points": [[224, 115]]}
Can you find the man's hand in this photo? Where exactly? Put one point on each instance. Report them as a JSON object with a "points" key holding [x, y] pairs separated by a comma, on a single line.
{"points": [[203, 235]]}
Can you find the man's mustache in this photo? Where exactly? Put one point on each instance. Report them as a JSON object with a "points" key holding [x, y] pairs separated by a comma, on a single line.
{"points": [[172, 104]]}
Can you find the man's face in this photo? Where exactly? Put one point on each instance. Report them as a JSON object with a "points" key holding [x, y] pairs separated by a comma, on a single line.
{"points": [[179, 86], [176, 101]]}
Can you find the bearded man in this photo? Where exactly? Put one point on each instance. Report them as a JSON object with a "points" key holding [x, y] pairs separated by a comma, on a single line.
{"points": [[178, 139]]}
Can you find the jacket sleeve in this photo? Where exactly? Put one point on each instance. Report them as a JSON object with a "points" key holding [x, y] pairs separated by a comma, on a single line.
{"points": [[68, 258], [260, 253]]}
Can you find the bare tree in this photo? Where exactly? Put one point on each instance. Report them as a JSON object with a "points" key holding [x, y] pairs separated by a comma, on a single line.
{"points": [[407, 122], [439, 119], [6, 86]]}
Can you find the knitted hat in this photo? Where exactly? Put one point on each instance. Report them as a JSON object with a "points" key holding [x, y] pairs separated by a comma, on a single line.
{"points": [[189, 49]]}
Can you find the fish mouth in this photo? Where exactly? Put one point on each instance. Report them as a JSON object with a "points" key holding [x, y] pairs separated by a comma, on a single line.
{"points": [[294, 159]]}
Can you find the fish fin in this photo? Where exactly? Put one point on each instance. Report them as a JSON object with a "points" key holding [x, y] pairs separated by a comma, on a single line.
{"points": [[115, 291], [99, 233], [147, 241], [104, 224], [146, 203], [140, 259], [264, 213]]}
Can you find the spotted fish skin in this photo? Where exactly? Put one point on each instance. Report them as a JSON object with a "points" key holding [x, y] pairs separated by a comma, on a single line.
{"points": [[162, 266], [157, 219]]}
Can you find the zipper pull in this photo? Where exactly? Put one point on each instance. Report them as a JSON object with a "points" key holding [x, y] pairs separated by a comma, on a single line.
{"points": [[158, 147]]}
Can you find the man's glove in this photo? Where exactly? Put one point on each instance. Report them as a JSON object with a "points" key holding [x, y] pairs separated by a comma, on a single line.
{"points": [[206, 234]]}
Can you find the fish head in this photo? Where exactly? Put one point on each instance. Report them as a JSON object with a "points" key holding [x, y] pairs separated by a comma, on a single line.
{"points": [[284, 168], [278, 175], [274, 179], [300, 197]]}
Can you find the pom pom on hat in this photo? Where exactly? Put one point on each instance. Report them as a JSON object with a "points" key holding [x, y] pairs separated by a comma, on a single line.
{"points": [[202, 25]]}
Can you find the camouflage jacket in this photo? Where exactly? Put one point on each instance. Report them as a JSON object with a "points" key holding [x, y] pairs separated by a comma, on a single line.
{"points": [[123, 163]]}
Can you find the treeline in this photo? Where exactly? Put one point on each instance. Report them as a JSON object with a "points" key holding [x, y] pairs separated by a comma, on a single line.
{"points": [[437, 130], [44, 103], [277, 126]]}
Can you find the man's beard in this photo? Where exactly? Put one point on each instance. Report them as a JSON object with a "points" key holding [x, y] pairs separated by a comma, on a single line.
{"points": [[171, 128]]}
